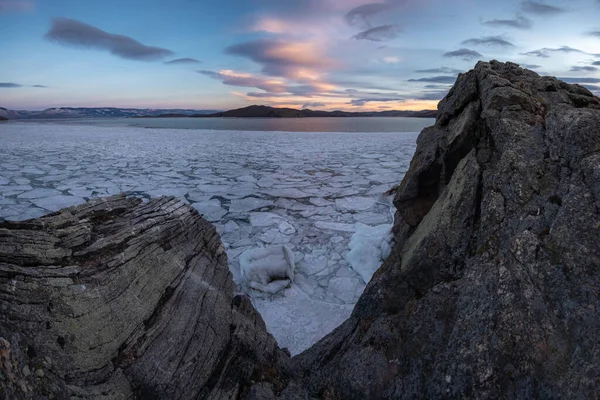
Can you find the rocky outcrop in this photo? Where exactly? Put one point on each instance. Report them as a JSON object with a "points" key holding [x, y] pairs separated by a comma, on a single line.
{"points": [[493, 288], [121, 299]]}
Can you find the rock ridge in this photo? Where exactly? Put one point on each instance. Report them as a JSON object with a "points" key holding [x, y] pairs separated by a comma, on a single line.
{"points": [[492, 289]]}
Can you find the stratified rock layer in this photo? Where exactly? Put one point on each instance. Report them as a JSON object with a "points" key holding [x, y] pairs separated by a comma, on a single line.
{"points": [[492, 290], [120, 299]]}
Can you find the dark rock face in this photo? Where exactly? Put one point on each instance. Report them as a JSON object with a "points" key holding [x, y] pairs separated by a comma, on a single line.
{"points": [[117, 299], [493, 288]]}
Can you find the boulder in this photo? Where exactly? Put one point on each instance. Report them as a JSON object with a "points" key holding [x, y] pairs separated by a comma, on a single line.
{"points": [[121, 299], [493, 287]]}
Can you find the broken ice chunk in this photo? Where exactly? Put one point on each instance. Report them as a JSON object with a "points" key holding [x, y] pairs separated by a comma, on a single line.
{"points": [[261, 269], [248, 204], [286, 228], [261, 219], [320, 202], [369, 246], [288, 193], [211, 210], [355, 203], [273, 236], [335, 226], [39, 193]]}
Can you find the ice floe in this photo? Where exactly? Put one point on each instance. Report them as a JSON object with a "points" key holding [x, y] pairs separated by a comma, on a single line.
{"points": [[317, 194]]}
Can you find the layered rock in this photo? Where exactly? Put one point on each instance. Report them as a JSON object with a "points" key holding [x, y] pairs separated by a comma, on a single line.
{"points": [[493, 288], [120, 299]]}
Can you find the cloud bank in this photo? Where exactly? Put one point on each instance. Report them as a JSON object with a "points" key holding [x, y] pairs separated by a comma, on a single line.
{"points": [[70, 32]]}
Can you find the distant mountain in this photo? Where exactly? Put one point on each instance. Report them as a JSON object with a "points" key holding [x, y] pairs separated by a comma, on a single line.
{"points": [[8, 114], [272, 112], [3, 119], [97, 112]]}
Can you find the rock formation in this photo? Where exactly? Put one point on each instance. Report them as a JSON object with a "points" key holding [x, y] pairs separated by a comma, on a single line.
{"points": [[491, 291], [117, 299], [493, 287]]}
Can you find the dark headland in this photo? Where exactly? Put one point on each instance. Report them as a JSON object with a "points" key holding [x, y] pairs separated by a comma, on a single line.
{"points": [[492, 290], [272, 112]]}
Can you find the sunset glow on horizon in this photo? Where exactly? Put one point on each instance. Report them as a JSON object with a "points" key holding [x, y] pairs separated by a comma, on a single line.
{"points": [[321, 54]]}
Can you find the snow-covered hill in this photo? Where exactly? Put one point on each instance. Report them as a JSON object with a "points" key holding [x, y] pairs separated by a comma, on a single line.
{"points": [[96, 112]]}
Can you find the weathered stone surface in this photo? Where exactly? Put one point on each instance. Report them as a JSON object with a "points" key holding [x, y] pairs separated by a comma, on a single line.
{"points": [[493, 289], [118, 299]]}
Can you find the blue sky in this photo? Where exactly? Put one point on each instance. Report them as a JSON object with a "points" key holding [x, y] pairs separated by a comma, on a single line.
{"points": [[320, 54]]}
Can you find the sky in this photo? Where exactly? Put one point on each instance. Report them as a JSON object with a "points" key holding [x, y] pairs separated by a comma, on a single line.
{"points": [[319, 54]]}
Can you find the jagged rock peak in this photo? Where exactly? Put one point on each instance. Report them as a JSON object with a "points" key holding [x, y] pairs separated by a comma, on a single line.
{"points": [[493, 287]]}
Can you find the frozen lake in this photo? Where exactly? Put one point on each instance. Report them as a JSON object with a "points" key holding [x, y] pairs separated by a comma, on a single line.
{"points": [[309, 191]]}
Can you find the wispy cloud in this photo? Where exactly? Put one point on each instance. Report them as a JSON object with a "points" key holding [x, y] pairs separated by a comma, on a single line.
{"points": [[283, 57], [379, 33], [519, 22], [531, 66], [391, 60], [246, 80], [436, 79], [547, 52], [465, 54], [593, 88], [362, 102], [17, 85], [70, 32], [17, 6], [537, 8], [276, 86], [315, 104], [440, 70], [580, 80], [586, 68], [9, 85], [594, 33], [184, 61], [434, 95], [360, 15], [498, 41], [596, 63]]}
